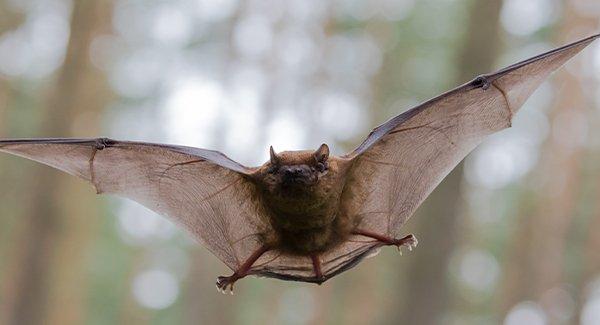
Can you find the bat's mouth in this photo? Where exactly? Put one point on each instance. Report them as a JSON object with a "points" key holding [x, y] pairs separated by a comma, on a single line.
{"points": [[297, 176], [295, 180]]}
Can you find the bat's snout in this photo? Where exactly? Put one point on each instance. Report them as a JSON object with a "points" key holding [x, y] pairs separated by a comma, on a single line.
{"points": [[296, 173], [293, 172]]}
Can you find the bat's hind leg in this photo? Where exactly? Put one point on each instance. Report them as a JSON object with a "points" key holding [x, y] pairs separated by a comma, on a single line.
{"points": [[223, 282], [316, 261], [409, 241]]}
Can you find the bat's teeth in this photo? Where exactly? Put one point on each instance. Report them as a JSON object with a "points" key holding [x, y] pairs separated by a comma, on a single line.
{"points": [[410, 248]]}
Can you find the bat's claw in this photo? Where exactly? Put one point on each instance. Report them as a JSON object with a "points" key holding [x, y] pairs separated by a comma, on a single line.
{"points": [[409, 241], [225, 282]]}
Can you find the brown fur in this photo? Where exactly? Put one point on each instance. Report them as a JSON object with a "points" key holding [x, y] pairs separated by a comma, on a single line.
{"points": [[306, 219]]}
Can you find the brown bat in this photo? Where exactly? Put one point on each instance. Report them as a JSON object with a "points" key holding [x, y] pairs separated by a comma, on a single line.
{"points": [[304, 215]]}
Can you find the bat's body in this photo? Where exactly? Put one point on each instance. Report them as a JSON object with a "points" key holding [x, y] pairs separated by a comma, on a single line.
{"points": [[303, 197], [307, 199], [304, 215]]}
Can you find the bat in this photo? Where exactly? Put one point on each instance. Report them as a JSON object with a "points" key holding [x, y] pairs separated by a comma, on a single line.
{"points": [[305, 215]]}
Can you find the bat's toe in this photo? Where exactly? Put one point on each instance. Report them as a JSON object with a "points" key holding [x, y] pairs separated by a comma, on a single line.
{"points": [[409, 241], [226, 282]]}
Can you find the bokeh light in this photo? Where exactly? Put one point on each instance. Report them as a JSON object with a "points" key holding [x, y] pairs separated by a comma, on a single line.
{"points": [[155, 289], [523, 18], [526, 312]]}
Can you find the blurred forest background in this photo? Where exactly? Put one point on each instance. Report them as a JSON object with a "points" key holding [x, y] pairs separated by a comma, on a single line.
{"points": [[511, 236]]}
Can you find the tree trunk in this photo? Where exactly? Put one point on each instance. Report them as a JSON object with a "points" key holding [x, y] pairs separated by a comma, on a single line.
{"points": [[439, 218], [49, 286], [536, 263]]}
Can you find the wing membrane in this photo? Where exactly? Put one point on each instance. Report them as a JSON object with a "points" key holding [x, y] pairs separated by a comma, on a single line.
{"points": [[203, 191], [408, 156]]}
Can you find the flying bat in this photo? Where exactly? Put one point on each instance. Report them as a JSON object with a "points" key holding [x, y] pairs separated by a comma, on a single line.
{"points": [[305, 215]]}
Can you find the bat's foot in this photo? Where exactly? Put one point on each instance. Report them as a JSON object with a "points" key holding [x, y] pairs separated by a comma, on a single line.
{"points": [[409, 241], [224, 282]]}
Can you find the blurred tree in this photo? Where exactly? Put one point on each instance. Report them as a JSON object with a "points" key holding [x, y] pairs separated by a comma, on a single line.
{"points": [[590, 252], [8, 20], [4, 99], [49, 278], [538, 259], [438, 219]]}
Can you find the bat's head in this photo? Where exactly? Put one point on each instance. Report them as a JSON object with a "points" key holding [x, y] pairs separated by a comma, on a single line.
{"points": [[295, 170]]}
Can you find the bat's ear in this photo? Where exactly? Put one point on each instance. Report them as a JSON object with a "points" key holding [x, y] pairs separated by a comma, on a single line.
{"points": [[322, 154], [275, 159]]}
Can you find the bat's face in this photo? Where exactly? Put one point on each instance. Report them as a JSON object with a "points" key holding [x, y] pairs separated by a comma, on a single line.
{"points": [[295, 173]]}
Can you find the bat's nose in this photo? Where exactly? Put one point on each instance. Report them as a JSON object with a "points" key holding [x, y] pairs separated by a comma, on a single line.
{"points": [[293, 171]]}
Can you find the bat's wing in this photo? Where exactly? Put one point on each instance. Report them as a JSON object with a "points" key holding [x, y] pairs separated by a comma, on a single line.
{"points": [[403, 160], [202, 191]]}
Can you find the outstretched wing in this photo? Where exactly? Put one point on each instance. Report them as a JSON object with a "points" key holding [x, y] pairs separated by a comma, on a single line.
{"points": [[202, 191], [403, 160]]}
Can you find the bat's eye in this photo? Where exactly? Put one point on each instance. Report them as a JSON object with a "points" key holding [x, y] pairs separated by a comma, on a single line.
{"points": [[272, 170], [321, 167]]}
